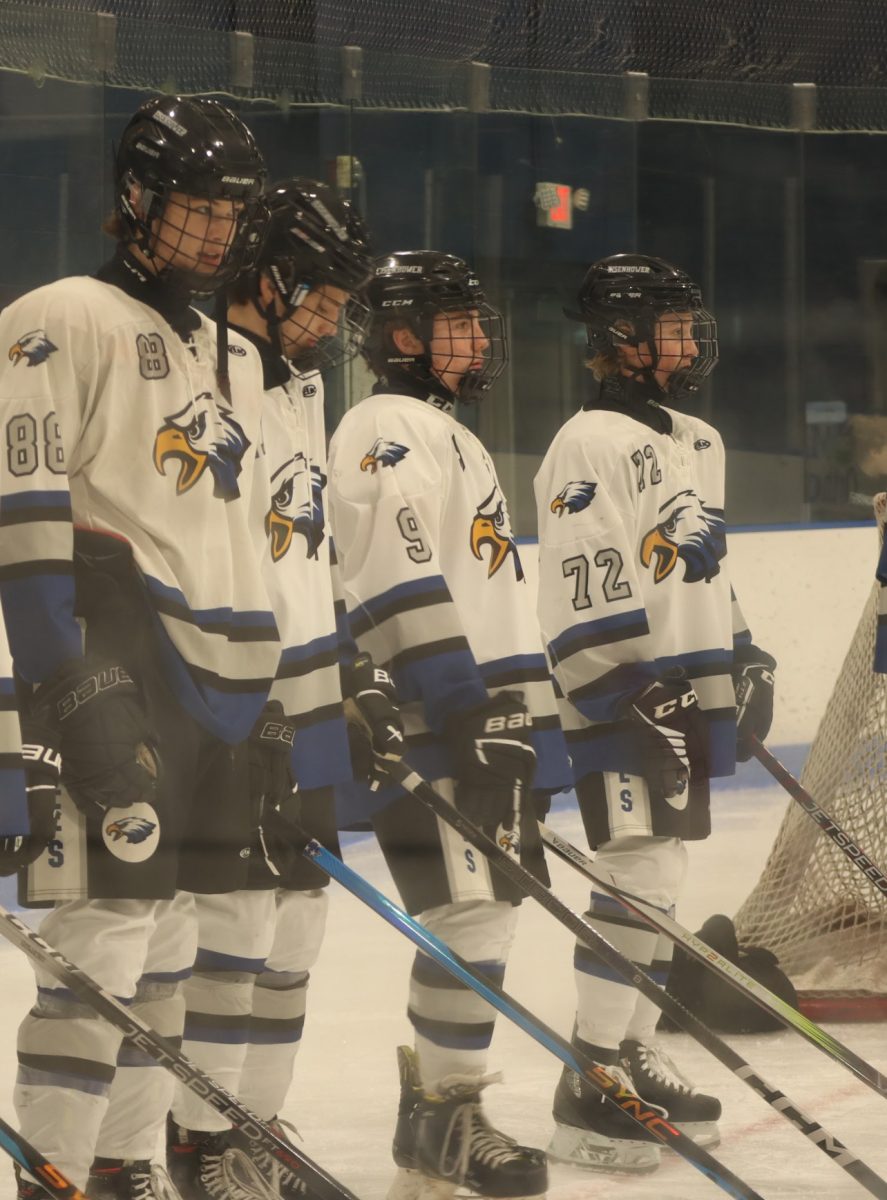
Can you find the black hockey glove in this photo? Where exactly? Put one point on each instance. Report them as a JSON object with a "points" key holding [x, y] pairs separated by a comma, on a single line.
{"points": [[269, 750], [674, 737], [753, 685], [43, 764], [494, 759], [375, 729], [109, 759]]}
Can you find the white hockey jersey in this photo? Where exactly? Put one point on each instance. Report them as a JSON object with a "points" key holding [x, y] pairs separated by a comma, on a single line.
{"points": [[633, 578], [13, 803], [113, 423], [299, 571], [432, 576]]}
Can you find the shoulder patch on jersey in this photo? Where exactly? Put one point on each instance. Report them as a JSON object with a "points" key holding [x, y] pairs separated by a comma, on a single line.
{"points": [[34, 347], [689, 531], [201, 436], [573, 497], [701, 444], [131, 834], [383, 454], [240, 351], [491, 529]]}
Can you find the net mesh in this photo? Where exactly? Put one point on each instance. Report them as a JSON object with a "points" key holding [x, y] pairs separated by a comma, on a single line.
{"points": [[725, 60], [812, 906]]}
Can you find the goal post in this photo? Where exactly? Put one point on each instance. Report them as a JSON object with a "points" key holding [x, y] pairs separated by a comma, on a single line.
{"points": [[811, 906]]}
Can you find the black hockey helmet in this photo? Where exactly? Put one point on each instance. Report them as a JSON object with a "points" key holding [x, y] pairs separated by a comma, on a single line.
{"points": [[312, 238], [413, 287], [198, 147], [622, 298]]}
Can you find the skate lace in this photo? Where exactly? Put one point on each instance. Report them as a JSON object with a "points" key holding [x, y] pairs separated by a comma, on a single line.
{"points": [[658, 1064], [229, 1174], [275, 1175], [470, 1135], [153, 1183]]}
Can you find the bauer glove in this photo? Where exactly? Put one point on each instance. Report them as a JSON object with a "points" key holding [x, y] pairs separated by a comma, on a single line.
{"points": [[494, 759], [108, 755], [43, 764], [753, 685], [375, 729], [269, 751], [673, 737]]}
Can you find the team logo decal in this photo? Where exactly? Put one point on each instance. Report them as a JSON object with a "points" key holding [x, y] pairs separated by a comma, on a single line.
{"points": [[34, 347], [492, 528], [701, 444], [573, 497], [383, 454], [201, 436], [689, 531], [296, 506], [131, 834], [309, 390]]}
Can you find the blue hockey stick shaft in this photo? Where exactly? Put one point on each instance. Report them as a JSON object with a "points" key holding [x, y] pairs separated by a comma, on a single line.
{"points": [[649, 1120]]}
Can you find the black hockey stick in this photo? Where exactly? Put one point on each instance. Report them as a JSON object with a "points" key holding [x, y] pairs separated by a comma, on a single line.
{"points": [[138, 1033], [733, 974], [827, 824], [49, 1177], [633, 1106], [633, 975]]}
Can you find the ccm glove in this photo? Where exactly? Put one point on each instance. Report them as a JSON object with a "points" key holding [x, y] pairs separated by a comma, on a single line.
{"points": [[43, 764], [494, 757], [108, 755], [674, 737], [375, 729], [753, 685]]}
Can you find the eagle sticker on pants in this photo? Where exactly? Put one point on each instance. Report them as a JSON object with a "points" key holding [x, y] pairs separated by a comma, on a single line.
{"points": [[131, 834]]}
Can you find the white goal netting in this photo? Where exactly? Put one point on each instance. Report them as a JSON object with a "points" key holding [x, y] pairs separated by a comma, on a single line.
{"points": [[812, 906]]}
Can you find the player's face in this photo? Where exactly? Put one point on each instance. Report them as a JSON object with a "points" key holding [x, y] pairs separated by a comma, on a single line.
{"points": [[675, 348], [316, 318], [458, 345], [195, 233]]}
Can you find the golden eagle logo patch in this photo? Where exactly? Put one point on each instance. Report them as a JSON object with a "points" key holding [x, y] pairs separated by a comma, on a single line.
{"points": [[491, 531], [688, 531], [573, 497], [296, 506], [34, 348], [383, 454], [198, 437]]}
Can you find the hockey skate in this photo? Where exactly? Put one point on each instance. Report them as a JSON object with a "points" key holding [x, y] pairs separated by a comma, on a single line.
{"points": [[282, 1181], [443, 1141], [590, 1132], [123, 1179], [658, 1081], [207, 1166]]}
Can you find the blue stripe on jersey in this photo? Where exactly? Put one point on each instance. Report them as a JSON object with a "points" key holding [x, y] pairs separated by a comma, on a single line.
{"points": [[369, 612], [223, 620], [321, 756], [513, 662], [24, 500], [447, 682], [35, 1077], [296, 654], [39, 614], [599, 700], [595, 632], [553, 771]]}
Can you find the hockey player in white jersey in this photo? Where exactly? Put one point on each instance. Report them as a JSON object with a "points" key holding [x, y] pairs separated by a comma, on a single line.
{"points": [[246, 1000], [661, 686], [435, 590], [137, 616]]}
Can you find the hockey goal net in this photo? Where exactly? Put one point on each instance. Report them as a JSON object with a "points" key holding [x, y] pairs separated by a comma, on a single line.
{"points": [[812, 906]]}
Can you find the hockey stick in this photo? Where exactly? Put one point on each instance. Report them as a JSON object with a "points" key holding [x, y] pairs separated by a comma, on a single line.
{"points": [[162, 1051], [600, 1079], [827, 824], [633, 975], [733, 974], [49, 1177]]}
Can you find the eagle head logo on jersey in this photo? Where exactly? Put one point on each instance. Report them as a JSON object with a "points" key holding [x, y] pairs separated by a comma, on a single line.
{"points": [[690, 531], [34, 347], [573, 497], [491, 528], [383, 454], [296, 506], [201, 436]]}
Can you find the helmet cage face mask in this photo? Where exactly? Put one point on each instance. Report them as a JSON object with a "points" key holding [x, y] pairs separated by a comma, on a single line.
{"points": [[651, 330], [302, 317], [199, 149]]}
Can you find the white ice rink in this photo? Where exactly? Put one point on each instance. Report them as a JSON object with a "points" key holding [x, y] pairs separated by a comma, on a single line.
{"points": [[345, 1095]]}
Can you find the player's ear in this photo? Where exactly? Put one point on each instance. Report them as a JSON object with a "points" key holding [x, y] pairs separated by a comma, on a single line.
{"points": [[405, 339]]}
